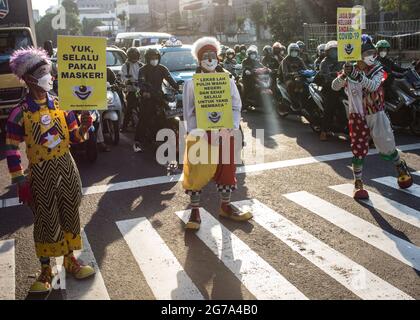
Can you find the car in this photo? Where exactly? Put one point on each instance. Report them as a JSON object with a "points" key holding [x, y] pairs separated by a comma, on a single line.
{"points": [[115, 59]]}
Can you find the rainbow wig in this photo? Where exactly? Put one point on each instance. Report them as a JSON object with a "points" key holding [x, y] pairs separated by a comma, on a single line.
{"points": [[27, 60]]}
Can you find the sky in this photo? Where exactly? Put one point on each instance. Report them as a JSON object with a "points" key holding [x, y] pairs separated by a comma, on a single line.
{"points": [[43, 5]]}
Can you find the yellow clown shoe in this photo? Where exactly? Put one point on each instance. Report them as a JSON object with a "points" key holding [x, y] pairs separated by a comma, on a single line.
{"points": [[229, 212], [76, 268], [43, 282], [194, 221]]}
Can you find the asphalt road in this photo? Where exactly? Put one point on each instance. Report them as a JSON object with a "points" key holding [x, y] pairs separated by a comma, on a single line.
{"points": [[307, 240]]}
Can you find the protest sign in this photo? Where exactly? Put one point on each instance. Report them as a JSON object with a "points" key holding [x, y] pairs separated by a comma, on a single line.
{"points": [[349, 34], [213, 101], [82, 73]]}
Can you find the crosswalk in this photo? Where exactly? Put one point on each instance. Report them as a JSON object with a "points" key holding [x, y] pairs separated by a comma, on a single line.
{"points": [[168, 279]]}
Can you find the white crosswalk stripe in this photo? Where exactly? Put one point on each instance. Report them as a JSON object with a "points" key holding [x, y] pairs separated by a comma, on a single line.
{"points": [[164, 274], [392, 183], [391, 207], [396, 247], [416, 173], [261, 279], [7, 270], [351, 275], [87, 289]]}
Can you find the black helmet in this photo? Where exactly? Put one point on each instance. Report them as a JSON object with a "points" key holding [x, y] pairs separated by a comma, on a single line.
{"points": [[151, 52], [237, 48], [267, 50], [133, 54], [48, 46]]}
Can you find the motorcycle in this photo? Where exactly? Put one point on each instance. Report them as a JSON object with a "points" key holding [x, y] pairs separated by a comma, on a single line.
{"points": [[111, 117], [89, 147], [263, 93], [402, 104]]}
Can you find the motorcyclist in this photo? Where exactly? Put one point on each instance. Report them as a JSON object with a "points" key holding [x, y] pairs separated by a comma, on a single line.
{"points": [[279, 51], [230, 62], [329, 68], [151, 77], [289, 68], [241, 55], [248, 66], [237, 48], [269, 60], [320, 52], [303, 54], [129, 76], [383, 47]]}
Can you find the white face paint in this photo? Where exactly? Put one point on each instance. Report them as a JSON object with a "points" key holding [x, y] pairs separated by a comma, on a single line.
{"points": [[154, 62], [369, 60], [45, 82], [209, 65], [383, 54]]}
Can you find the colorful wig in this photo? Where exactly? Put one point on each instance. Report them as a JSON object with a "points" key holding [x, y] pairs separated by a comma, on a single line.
{"points": [[26, 60]]}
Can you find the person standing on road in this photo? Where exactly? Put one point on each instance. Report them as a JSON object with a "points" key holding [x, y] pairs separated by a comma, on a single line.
{"points": [[198, 175], [129, 76], [53, 188], [363, 84]]}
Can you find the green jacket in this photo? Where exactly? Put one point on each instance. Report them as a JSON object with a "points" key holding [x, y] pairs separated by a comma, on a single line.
{"points": [[240, 57]]}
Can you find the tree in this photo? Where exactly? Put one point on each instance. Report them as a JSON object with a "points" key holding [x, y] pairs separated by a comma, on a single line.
{"points": [[123, 18], [72, 17], [257, 16], [89, 24], [406, 9]]}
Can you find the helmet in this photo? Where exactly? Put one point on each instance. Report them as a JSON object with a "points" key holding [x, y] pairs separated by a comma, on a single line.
{"points": [[150, 53], [251, 49], [331, 44], [367, 43], [321, 48], [237, 48], [292, 47], [267, 50], [133, 54], [242, 47], [301, 44], [230, 51], [382, 44]]}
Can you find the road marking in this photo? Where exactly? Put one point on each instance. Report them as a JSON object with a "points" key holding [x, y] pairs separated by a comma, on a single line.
{"points": [[164, 274], [351, 275], [391, 207], [396, 247], [87, 289], [261, 279], [146, 182], [391, 182], [7, 270]]}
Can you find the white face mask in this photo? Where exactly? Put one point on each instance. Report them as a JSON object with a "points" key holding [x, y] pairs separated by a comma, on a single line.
{"points": [[294, 54], [383, 54], [45, 82], [154, 62], [369, 60], [209, 65]]}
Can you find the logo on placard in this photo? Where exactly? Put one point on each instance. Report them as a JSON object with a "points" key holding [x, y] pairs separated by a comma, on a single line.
{"points": [[82, 92], [348, 48], [4, 8], [214, 116]]}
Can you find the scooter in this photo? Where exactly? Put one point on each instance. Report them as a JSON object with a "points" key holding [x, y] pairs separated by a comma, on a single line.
{"points": [[262, 94], [111, 117], [89, 147], [403, 103]]}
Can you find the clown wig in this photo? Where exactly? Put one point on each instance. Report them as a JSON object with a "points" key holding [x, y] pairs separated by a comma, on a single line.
{"points": [[205, 44], [27, 60]]}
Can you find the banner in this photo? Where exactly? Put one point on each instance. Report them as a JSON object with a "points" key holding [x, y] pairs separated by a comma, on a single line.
{"points": [[213, 101], [349, 34], [82, 73]]}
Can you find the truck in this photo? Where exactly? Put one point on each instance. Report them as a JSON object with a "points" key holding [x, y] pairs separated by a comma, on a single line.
{"points": [[17, 30]]}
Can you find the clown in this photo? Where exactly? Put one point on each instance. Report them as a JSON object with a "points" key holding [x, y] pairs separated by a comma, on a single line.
{"points": [[197, 175], [52, 188], [367, 119]]}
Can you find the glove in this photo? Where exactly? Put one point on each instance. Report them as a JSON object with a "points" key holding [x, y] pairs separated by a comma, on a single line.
{"points": [[86, 120], [24, 192]]}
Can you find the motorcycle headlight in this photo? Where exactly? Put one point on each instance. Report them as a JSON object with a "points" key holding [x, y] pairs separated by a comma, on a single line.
{"points": [[110, 97], [172, 104]]}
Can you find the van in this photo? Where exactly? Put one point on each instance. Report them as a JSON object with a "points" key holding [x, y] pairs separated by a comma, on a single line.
{"points": [[140, 39]]}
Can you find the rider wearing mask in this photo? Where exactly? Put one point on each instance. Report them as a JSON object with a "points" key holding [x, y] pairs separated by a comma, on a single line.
{"points": [[367, 118], [240, 57], [329, 68], [303, 54], [151, 77], [230, 61], [129, 76], [320, 52], [279, 51], [269, 60], [290, 66], [248, 66]]}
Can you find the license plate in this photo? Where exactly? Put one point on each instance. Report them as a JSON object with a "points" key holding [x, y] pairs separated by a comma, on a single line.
{"points": [[172, 113]]}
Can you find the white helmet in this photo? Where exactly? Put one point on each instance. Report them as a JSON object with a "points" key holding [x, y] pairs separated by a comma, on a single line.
{"points": [[291, 47], [320, 48], [330, 44], [252, 49]]}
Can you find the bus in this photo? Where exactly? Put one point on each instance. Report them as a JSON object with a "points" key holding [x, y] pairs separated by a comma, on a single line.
{"points": [[140, 39]]}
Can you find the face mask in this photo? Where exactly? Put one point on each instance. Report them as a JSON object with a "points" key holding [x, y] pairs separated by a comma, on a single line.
{"points": [[45, 82], [369, 60], [383, 54], [209, 65], [294, 54], [154, 62], [243, 51], [230, 56]]}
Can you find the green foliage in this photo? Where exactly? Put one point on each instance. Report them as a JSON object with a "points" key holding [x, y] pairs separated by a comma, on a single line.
{"points": [[89, 25], [285, 21], [406, 9]]}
